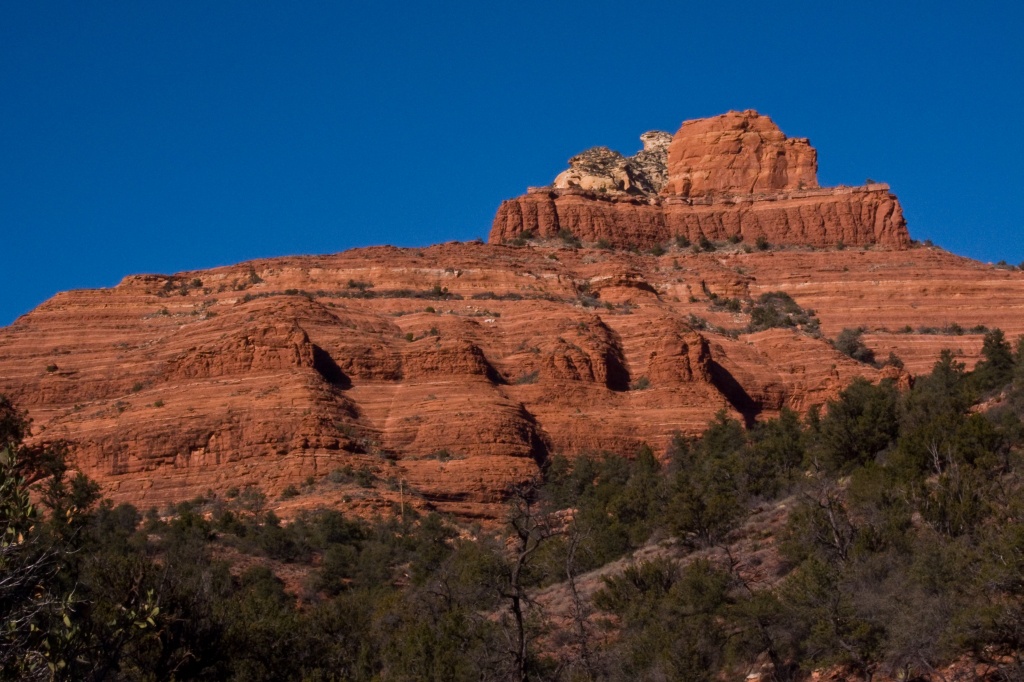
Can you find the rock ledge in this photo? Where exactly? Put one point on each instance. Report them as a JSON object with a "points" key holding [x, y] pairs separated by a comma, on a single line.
{"points": [[733, 175]]}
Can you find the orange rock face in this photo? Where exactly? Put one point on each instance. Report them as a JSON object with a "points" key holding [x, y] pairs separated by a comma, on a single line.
{"points": [[282, 372], [855, 216], [738, 153], [734, 175]]}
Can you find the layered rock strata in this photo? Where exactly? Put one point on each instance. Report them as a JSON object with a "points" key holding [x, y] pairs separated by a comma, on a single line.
{"points": [[450, 373], [730, 176]]}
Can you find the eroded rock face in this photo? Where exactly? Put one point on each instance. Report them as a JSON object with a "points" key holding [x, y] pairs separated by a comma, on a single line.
{"points": [[734, 175], [855, 216], [282, 371], [738, 153]]}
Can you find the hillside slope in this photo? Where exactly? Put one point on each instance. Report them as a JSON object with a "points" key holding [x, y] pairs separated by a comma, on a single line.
{"points": [[453, 371]]}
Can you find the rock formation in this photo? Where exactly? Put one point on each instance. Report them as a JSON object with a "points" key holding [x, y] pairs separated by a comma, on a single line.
{"points": [[451, 372], [445, 375], [602, 170], [733, 175], [738, 153]]}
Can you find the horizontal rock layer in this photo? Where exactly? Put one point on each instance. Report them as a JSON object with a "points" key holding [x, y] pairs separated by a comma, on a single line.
{"points": [[284, 372], [854, 216]]}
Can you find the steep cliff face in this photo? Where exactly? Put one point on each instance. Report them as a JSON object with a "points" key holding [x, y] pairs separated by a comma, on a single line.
{"points": [[729, 176], [738, 153], [854, 216], [284, 372]]}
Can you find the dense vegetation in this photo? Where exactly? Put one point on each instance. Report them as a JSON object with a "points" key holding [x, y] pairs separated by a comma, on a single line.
{"points": [[901, 548]]}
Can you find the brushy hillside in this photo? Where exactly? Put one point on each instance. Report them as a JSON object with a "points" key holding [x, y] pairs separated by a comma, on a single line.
{"points": [[894, 547]]}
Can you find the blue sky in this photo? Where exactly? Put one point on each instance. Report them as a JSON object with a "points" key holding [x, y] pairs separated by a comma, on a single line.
{"points": [[159, 137]]}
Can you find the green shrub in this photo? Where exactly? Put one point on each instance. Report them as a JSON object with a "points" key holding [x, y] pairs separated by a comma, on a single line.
{"points": [[442, 455], [361, 286], [569, 238], [365, 477], [528, 378], [859, 425], [996, 367], [778, 309], [850, 344], [640, 384], [893, 361]]}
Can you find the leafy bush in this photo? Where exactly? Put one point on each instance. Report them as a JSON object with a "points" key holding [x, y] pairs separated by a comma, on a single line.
{"points": [[996, 368], [778, 309], [528, 378], [850, 344], [568, 238], [640, 384], [858, 426]]}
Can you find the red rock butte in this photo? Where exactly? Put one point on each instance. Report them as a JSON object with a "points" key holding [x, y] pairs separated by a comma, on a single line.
{"points": [[728, 176], [452, 372]]}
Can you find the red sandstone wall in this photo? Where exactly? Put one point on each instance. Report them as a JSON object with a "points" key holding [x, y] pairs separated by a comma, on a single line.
{"points": [[741, 152], [855, 216]]}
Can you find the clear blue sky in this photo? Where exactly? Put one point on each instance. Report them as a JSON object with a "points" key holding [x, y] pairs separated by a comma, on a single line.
{"points": [[159, 137]]}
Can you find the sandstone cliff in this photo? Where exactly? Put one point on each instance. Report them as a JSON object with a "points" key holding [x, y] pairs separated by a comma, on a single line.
{"points": [[740, 153], [729, 176], [450, 372]]}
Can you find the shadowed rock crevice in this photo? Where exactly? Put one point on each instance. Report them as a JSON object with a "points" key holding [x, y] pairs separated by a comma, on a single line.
{"points": [[618, 375], [325, 365], [737, 396], [493, 375], [540, 443]]}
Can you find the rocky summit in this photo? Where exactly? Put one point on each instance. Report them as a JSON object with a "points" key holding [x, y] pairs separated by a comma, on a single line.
{"points": [[439, 377], [729, 176]]}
